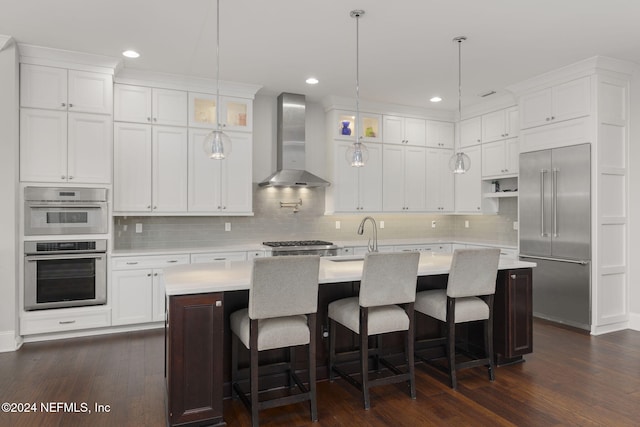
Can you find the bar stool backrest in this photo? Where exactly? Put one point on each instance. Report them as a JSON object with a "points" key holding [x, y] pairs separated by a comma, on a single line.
{"points": [[389, 278], [473, 272]]}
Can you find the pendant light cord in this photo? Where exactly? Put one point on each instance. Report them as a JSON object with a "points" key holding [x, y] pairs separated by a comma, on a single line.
{"points": [[459, 78], [357, 127], [218, 66]]}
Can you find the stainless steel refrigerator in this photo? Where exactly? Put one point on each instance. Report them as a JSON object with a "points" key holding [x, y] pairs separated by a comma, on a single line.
{"points": [[555, 231]]}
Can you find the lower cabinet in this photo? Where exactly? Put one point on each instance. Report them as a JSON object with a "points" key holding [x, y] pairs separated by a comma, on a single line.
{"points": [[194, 338]]}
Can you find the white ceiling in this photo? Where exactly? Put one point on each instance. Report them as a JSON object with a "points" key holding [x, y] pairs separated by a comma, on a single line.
{"points": [[406, 49]]}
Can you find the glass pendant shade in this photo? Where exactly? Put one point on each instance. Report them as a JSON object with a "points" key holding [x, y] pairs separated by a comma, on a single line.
{"points": [[217, 145], [459, 163], [357, 155]]}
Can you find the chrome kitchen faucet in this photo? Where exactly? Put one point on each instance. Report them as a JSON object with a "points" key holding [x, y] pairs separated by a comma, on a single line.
{"points": [[371, 247]]}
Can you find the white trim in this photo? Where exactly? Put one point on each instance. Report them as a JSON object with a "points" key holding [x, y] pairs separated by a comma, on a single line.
{"points": [[191, 84], [38, 55], [5, 41], [605, 329], [634, 321], [9, 342], [92, 332], [343, 103]]}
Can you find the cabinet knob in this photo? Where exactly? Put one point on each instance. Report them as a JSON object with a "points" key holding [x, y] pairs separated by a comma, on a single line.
{"points": [[478, 140], [224, 207], [148, 274], [148, 119], [70, 105], [155, 207], [219, 206], [513, 276], [553, 117], [63, 104], [70, 177], [148, 206], [155, 274], [63, 177], [548, 118], [155, 119]]}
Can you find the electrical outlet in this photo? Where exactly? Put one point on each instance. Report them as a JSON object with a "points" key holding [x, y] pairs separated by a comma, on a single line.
{"points": [[138, 227], [227, 226], [124, 227], [433, 224], [466, 224], [515, 225], [338, 225], [381, 224]]}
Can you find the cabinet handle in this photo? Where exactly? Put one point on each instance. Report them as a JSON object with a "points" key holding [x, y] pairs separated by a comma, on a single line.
{"points": [[70, 177], [148, 206], [513, 276], [155, 119], [66, 322], [148, 274], [155, 274], [173, 260], [219, 259], [132, 262], [155, 207], [478, 140], [70, 105], [553, 117], [63, 177], [548, 118], [64, 105], [219, 206], [224, 207]]}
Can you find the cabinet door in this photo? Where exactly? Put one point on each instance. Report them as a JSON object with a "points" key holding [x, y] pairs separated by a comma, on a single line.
{"points": [[470, 131], [468, 196], [132, 104], [90, 92], [131, 297], [236, 114], [202, 110], [415, 179], [204, 176], [169, 107], [440, 134], [512, 156], [43, 87], [513, 315], [345, 183], [493, 126], [236, 184], [90, 148], [439, 181], [371, 127], [159, 297], [572, 99], [415, 131], [370, 180], [43, 145], [132, 167], [393, 130], [169, 167], [493, 159], [393, 174], [535, 109], [512, 121], [344, 126]]}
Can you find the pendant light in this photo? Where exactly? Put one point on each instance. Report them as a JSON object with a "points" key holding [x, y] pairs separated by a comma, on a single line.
{"points": [[459, 162], [357, 155], [217, 144]]}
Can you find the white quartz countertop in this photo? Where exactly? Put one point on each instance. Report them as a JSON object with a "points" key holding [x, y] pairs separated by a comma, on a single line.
{"points": [[236, 275]]}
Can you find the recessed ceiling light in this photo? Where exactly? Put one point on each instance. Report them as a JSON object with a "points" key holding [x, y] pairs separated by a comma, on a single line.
{"points": [[436, 99], [130, 54], [312, 81]]}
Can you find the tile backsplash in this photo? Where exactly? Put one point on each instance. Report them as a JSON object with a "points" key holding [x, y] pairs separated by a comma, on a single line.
{"points": [[273, 222]]}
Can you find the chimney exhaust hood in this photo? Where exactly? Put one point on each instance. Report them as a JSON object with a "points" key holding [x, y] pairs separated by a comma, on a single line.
{"points": [[291, 146]]}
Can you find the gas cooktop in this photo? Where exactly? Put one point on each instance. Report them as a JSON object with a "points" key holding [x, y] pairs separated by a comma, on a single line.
{"points": [[294, 243]]}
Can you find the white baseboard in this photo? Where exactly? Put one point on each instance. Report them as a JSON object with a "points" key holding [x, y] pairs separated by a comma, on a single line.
{"points": [[91, 332], [613, 327], [9, 342], [634, 321]]}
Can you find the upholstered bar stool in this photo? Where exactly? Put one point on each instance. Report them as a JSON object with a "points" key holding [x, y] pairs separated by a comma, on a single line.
{"points": [[468, 298], [384, 304], [283, 301]]}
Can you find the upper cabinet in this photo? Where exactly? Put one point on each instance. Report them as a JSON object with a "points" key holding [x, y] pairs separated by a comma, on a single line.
{"points": [[500, 158], [344, 126], [140, 104], [440, 134], [54, 88], [565, 101], [236, 114], [440, 181], [404, 178], [470, 131], [500, 124], [404, 130]]}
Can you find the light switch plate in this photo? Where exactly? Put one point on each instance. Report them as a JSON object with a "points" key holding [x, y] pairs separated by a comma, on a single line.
{"points": [[515, 225], [381, 224], [338, 225], [466, 224], [227, 226], [433, 224], [139, 227]]}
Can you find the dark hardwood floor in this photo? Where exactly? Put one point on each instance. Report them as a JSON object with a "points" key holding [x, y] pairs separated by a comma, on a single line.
{"points": [[570, 379]]}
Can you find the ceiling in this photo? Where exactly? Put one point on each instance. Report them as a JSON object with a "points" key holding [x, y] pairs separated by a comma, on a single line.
{"points": [[406, 49]]}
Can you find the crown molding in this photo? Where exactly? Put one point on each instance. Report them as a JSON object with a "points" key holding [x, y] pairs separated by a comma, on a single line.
{"points": [[333, 102], [5, 42], [38, 55]]}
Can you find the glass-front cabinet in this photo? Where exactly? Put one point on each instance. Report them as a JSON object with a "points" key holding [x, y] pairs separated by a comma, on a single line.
{"points": [[235, 113], [370, 126]]}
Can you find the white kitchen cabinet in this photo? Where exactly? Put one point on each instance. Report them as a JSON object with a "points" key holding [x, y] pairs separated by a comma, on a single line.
{"points": [[140, 104], [65, 90], [500, 125], [500, 158], [56, 146], [151, 168], [354, 189], [137, 288], [470, 131], [440, 134], [218, 257], [64, 319], [439, 181], [404, 130], [370, 126], [236, 114], [403, 178], [220, 186], [565, 101], [468, 194]]}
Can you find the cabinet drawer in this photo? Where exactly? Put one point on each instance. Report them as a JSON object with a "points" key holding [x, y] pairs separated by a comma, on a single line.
{"points": [[148, 261], [218, 257], [255, 254], [64, 320]]}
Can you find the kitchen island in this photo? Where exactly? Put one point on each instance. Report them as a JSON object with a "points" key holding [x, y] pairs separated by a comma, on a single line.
{"points": [[201, 297]]}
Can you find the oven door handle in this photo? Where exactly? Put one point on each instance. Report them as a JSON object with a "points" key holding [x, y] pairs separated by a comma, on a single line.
{"points": [[67, 206], [31, 258]]}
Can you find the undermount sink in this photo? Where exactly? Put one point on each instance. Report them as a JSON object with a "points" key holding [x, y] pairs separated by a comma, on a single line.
{"points": [[345, 259]]}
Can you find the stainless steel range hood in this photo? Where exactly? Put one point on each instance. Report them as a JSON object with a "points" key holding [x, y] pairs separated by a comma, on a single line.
{"points": [[291, 146]]}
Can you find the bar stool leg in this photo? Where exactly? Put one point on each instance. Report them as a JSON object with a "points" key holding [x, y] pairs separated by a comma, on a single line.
{"points": [[255, 405], [409, 348], [234, 365], [312, 367], [364, 355], [332, 348]]}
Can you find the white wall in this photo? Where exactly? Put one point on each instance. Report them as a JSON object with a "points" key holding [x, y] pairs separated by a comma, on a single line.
{"points": [[9, 254], [634, 204]]}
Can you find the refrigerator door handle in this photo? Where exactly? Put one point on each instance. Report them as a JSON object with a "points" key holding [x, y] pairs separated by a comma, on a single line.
{"points": [[542, 173], [554, 183], [571, 261]]}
